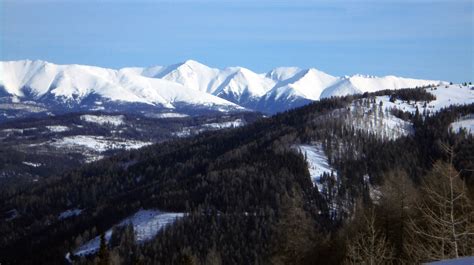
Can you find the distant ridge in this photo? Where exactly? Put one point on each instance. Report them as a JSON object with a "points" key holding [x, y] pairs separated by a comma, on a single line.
{"points": [[187, 85]]}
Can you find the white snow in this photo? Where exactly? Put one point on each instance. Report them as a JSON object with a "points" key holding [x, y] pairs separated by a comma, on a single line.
{"points": [[104, 119], [446, 95], [98, 143], [146, 224], [168, 115], [466, 123], [223, 125], [185, 132], [189, 82], [317, 162], [57, 128], [76, 82], [31, 164], [69, 213], [12, 130], [188, 131], [377, 120], [382, 123]]}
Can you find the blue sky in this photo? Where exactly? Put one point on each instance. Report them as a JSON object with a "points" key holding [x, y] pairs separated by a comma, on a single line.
{"points": [[423, 39]]}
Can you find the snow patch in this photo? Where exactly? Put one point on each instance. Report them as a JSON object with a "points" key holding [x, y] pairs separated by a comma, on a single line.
{"points": [[188, 131], [57, 128], [378, 120], [223, 125], [104, 119], [317, 163], [98, 143], [168, 115], [146, 224], [446, 95], [466, 123], [31, 164], [69, 213]]}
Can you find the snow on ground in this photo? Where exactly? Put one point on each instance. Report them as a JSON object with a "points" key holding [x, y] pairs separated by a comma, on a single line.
{"points": [[18, 131], [69, 213], [391, 127], [317, 162], [167, 115], [31, 164], [98, 143], [57, 128], [446, 95], [466, 123], [188, 131], [185, 132], [451, 95], [146, 224], [378, 121], [223, 125], [12, 131], [104, 119]]}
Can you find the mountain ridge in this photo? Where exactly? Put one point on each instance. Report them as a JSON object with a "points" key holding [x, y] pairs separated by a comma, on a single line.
{"points": [[188, 83]]}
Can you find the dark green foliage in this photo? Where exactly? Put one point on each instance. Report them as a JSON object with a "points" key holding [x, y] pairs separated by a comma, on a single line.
{"points": [[418, 94], [103, 255]]}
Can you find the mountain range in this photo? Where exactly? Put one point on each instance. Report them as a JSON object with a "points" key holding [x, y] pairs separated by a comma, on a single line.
{"points": [[184, 87]]}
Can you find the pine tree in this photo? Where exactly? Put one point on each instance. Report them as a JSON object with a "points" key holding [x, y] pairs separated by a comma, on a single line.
{"points": [[104, 256], [295, 232]]}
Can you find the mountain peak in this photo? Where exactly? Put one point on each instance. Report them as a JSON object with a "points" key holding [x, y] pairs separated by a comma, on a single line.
{"points": [[193, 64], [188, 82]]}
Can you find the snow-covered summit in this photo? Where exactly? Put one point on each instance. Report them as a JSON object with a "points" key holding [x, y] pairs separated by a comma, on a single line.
{"points": [[188, 83], [39, 80]]}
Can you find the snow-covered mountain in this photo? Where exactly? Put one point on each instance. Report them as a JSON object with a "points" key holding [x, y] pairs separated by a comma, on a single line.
{"points": [[189, 85]]}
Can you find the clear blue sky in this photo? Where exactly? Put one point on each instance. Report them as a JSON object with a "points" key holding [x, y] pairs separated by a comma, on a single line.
{"points": [[423, 39]]}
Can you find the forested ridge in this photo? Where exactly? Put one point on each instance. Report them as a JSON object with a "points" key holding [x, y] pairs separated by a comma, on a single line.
{"points": [[249, 197]]}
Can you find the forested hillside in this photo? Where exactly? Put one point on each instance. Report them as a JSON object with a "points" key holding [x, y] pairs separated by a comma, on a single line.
{"points": [[400, 192], [33, 148]]}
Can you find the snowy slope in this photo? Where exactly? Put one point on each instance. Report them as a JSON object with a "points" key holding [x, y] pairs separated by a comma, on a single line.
{"points": [[146, 224], [317, 163], [187, 84], [243, 86], [362, 83], [280, 89], [467, 125], [104, 119], [446, 95], [464, 123], [377, 119], [39, 80], [309, 84]]}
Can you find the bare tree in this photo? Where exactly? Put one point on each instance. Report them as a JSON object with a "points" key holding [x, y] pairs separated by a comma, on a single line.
{"points": [[369, 246], [444, 224]]}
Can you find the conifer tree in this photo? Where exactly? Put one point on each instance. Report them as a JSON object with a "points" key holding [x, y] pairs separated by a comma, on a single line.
{"points": [[104, 257]]}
